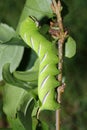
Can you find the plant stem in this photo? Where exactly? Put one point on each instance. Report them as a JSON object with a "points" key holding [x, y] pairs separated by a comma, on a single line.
{"points": [[61, 36], [58, 119], [59, 88]]}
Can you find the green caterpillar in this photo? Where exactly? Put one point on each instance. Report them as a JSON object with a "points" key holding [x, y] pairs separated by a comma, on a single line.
{"points": [[48, 59]]}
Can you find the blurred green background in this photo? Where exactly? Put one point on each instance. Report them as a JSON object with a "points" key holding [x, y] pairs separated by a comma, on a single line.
{"points": [[74, 104]]}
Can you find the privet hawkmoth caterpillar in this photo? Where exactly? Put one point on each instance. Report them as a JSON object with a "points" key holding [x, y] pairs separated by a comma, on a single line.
{"points": [[48, 59]]}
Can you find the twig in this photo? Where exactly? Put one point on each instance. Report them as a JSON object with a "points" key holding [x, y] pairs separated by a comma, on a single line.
{"points": [[56, 7]]}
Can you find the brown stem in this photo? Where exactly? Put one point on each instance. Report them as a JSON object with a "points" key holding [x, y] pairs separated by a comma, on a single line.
{"points": [[56, 7], [59, 89], [58, 119]]}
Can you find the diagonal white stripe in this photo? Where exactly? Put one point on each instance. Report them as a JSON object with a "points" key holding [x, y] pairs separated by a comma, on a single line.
{"points": [[45, 67], [39, 49], [32, 42], [44, 81], [43, 59], [45, 97], [25, 38]]}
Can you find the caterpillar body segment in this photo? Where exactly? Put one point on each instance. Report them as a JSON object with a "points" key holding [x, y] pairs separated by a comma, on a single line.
{"points": [[48, 58]]}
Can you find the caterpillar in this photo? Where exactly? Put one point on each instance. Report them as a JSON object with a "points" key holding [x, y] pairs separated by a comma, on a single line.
{"points": [[47, 53]]}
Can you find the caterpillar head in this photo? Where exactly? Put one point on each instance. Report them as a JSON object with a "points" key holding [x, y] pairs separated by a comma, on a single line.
{"points": [[35, 20]]}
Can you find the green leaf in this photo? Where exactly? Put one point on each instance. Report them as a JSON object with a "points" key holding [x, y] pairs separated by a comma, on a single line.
{"points": [[18, 105], [33, 58], [16, 41], [35, 109], [42, 125], [6, 32], [70, 47], [17, 100], [30, 75], [11, 54], [35, 8], [15, 124], [25, 116], [14, 97], [9, 78], [34, 123], [39, 124]]}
